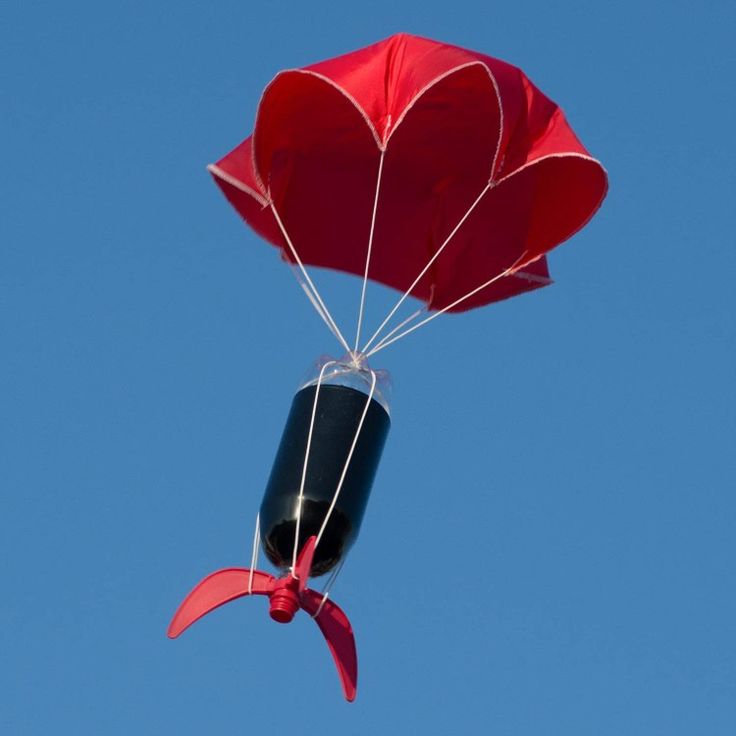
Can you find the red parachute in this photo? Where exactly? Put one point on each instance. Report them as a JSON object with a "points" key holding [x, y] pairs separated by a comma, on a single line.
{"points": [[437, 171]]}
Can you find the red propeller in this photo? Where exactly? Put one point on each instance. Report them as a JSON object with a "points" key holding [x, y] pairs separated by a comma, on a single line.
{"points": [[286, 596]]}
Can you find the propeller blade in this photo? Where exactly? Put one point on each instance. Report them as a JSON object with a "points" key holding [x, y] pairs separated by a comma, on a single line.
{"points": [[336, 628], [216, 589], [304, 562]]}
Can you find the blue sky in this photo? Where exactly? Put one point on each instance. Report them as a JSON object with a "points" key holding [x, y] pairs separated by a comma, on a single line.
{"points": [[549, 544]]}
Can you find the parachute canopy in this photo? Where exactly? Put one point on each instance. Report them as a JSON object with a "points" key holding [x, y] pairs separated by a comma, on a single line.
{"points": [[444, 162]]}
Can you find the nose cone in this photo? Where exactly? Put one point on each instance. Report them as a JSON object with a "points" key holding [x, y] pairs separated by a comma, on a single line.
{"points": [[284, 604]]}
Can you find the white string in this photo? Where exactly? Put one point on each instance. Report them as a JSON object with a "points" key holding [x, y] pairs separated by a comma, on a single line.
{"points": [[300, 500], [333, 576], [349, 458], [400, 325], [325, 313], [316, 614], [507, 272], [427, 267], [328, 587], [370, 248], [254, 556], [314, 302]]}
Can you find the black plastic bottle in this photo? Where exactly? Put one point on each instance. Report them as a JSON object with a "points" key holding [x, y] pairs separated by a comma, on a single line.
{"points": [[342, 389]]}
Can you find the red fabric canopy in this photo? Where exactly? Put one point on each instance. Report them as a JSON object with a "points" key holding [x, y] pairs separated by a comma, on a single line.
{"points": [[451, 125]]}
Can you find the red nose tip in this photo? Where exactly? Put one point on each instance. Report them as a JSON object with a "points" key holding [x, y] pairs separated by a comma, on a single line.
{"points": [[284, 604]]}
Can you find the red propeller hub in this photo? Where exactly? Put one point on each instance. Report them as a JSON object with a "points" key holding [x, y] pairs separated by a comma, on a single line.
{"points": [[284, 600]]}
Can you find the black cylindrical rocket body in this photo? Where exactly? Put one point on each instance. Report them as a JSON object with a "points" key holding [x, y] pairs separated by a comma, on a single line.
{"points": [[338, 413]]}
